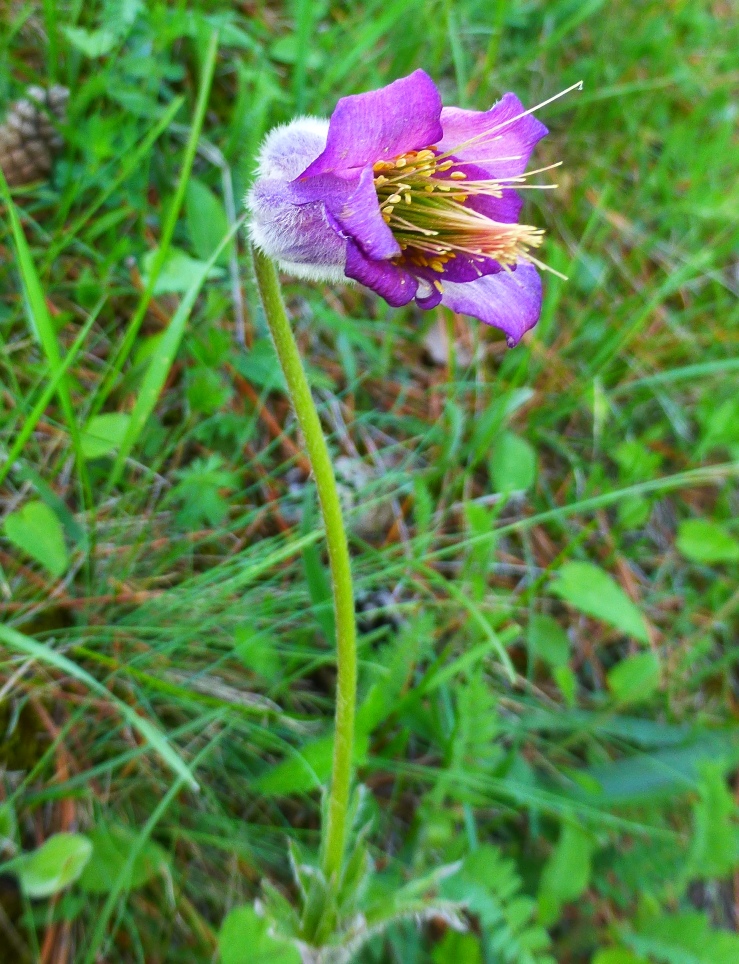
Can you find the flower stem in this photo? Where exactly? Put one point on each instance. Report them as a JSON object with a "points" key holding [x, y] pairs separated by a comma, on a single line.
{"points": [[334, 833]]}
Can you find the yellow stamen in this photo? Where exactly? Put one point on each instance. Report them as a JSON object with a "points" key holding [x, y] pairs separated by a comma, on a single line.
{"points": [[437, 224]]}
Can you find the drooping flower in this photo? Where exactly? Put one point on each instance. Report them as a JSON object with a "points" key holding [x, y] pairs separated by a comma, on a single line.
{"points": [[411, 199]]}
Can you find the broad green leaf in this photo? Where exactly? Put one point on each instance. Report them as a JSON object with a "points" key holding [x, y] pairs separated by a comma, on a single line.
{"points": [[665, 772], [92, 43], [633, 511], [636, 678], [206, 220], [548, 640], [456, 948], [260, 366], [206, 392], [307, 768], [178, 272], [513, 464], [715, 846], [244, 938], [36, 530], [595, 593], [8, 827], [566, 873], [302, 771], [701, 540], [720, 425], [103, 434], [564, 677], [55, 865], [618, 955], [111, 847], [488, 885], [258, 652], [685, 938]]}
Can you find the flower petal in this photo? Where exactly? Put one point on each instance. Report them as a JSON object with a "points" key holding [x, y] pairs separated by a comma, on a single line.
{"points": [[510, 300], [360, 218], [460, 268], [354, 208], [395, 284], [427, 297], [380, 125], [503, 140], [464, 268], [504, 209]]}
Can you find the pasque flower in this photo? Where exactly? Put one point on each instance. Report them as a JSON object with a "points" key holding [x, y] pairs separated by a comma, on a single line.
{"points": [[411, 199]]}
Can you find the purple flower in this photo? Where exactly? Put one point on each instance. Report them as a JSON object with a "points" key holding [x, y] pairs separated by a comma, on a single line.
{"points": [[412, 199]]}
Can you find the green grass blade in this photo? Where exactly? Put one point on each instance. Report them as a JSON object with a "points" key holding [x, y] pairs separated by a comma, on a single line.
{"points": [[131, 163], [42, 325], [160, 364], [168, 228], [147, 730], [124, 874], [303, 29], [38, 409], [685, 373], [710, 475]]}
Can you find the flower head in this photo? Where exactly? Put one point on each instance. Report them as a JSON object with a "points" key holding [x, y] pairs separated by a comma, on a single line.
{"points": [[412, 199]]}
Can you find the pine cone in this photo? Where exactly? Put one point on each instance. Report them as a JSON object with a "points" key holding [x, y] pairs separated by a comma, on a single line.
{"points": [[29, 138]]}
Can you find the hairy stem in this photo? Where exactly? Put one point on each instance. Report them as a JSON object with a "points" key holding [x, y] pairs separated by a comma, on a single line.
{"points": [[334, 833]]}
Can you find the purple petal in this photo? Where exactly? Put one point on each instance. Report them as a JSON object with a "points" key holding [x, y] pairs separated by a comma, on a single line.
{"points": [[510, 300], [464, 268], [503, 140], [354, 208], [428, 301], [359, 216], [461, 268], [395, 284], [504, 209], [380, 125]]}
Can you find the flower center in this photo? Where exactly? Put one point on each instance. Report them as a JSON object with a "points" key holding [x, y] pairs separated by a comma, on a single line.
{"points": [[425, 199]]}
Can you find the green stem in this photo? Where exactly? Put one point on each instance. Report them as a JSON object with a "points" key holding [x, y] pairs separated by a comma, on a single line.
{"points": [[334, 833]]}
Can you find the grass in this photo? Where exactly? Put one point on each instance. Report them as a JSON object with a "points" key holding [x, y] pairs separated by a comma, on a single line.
{"points": [[190, 623]]}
